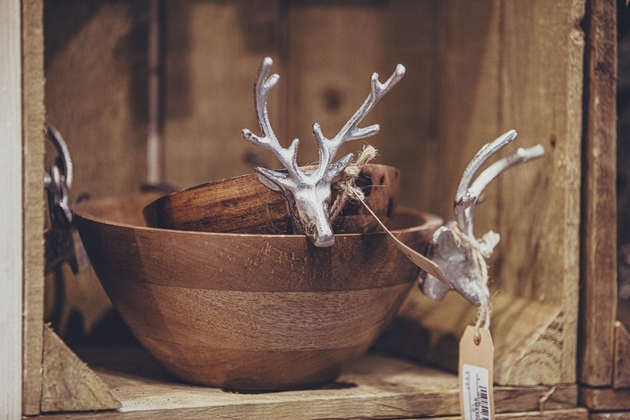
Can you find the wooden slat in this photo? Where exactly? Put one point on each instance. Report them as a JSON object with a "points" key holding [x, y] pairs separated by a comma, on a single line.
{"points": [[33, 155], [68, 384], [599, 247], [214, 50], [605, 399], [538, 203], [373, 386], [571, 414], [11, 262], [610, 416], [531, 354], [621, 368]]}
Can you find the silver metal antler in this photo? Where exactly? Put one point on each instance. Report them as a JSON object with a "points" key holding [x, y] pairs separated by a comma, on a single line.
{"points": [[454, 259], [309, 192]]}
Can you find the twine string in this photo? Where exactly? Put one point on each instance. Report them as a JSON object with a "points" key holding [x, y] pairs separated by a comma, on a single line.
{"points": [[346, 188], [479, 250]]}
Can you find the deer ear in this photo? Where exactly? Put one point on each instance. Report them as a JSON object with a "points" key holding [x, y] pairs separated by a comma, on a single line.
{"points": [[335, 171], [274, 180]]}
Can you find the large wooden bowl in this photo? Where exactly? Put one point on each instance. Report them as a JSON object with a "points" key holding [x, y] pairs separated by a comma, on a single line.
{"points": [[244, 205], [249, 311]]}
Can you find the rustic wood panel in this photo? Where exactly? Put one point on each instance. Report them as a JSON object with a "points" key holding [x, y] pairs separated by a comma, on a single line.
{"points": [[605, 399], [11, 211], [610, 416], [33, 201], [213, 51], [333, 48], [96, 90], [621, 368], [68, 384], [599, 212], [541, 96], [527, 336], [571, 414], [374, 386]]}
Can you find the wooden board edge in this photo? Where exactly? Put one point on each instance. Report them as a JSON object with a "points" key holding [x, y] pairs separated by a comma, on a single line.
{"points": [[598, 248], [33, 202], [620, 415], [604, 399], [11, 263], [621, 366], [428, 331], [68, 383]]}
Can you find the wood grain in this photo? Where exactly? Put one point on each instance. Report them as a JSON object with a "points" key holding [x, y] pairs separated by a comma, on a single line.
{"points": [[610, 416], [213, 52], [599, 211], [33, 202], [11, 210], [244, 205], [605, 399], [621, 371], [527, 336], [373, 386], [250, 311], [68, 384]]}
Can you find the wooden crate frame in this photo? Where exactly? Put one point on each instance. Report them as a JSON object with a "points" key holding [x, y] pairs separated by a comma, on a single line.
{"points": [[558, 325], [604, 374]]}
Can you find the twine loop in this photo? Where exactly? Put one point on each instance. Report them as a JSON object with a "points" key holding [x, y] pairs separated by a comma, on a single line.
{"points": [[346, 188], [479, 250]]}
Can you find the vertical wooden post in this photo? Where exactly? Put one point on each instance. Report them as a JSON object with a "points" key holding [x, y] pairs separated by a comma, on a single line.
{"points": [[598, 300], [10, 211], [33, 202]]}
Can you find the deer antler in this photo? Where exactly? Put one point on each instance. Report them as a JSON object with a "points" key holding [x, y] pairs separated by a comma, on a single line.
{"points": [[308, 192], [455, 260]]}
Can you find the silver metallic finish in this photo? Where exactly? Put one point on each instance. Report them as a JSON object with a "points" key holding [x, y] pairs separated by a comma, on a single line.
{"points": [[454, 259], [309, 192], [63, 243]]}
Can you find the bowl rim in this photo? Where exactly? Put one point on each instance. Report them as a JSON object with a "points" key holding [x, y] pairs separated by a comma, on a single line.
{"points": [[83, 211]]}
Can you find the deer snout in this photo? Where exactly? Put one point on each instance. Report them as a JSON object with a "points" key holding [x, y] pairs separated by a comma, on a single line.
{"points": [[323, 236]]}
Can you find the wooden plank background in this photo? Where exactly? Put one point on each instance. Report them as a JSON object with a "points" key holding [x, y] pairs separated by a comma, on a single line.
{"points": [[474, 70], [11, 262], [34, 206]]}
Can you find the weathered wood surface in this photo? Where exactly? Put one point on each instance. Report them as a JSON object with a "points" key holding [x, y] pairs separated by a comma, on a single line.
{"points": [[610, 416], [621, 376], [250, 311], [605, 399], [11, 210], [570, 414], [599, 211], [244, 205], [526, 355], [372, 386], [68, 384], [33, 202], [213, 52]]}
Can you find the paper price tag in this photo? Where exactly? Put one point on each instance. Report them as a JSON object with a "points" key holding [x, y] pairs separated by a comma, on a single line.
{"points": [[475, 375]]}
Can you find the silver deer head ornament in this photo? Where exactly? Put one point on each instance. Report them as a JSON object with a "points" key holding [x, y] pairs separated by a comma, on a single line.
{"points": [[448, 252], [308, 192]]}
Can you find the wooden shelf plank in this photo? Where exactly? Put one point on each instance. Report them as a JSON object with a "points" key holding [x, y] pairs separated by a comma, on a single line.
{"points": [[605, 399], [373, 386]]}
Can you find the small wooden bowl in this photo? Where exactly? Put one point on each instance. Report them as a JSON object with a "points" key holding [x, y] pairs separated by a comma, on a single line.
{"points": [[249, 311], [244, 205]]}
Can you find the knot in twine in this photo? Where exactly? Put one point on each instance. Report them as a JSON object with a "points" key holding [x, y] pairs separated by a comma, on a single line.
{"points": [[479, 251], [346, 188]]}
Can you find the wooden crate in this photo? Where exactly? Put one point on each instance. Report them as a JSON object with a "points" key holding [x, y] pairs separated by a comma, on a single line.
{"points": [[603, 371], [474, 70]]}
